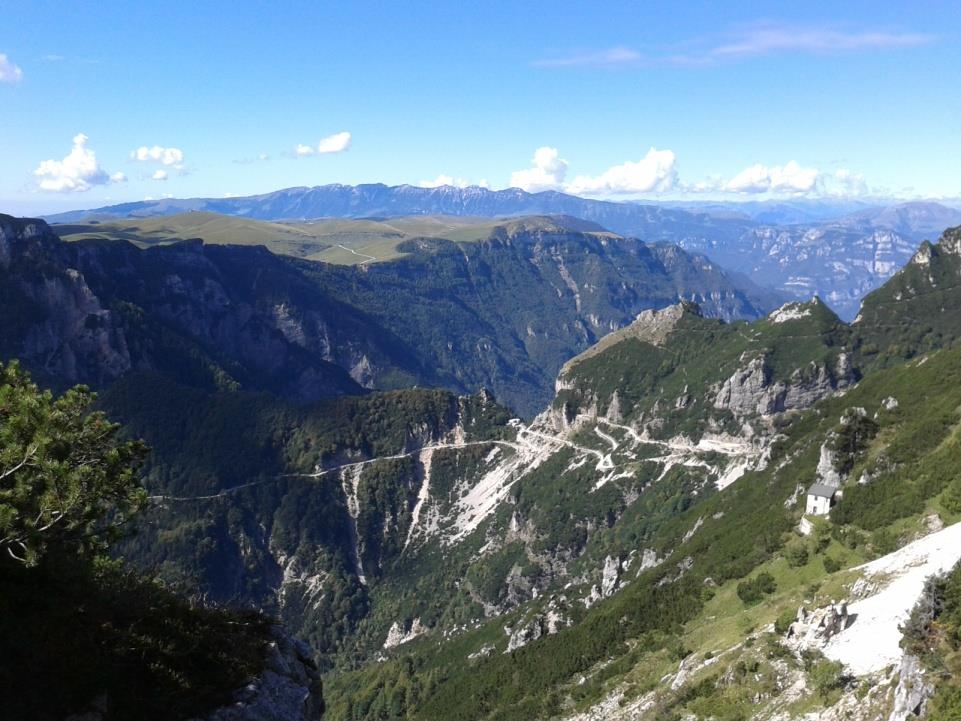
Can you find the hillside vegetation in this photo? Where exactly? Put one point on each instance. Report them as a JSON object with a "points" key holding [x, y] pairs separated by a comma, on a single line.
{"points": [[79, 632]]}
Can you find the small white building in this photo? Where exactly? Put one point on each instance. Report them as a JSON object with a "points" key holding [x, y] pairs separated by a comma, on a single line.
{"points": [[820, 499]]}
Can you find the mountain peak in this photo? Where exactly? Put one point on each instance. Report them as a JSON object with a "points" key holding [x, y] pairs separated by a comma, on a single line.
{"points": [[951, 241], [652, 326], [799, 309]]}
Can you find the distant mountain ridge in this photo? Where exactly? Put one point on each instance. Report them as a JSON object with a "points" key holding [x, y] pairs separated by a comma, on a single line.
{"points": [[378, 200], [839, 251]]}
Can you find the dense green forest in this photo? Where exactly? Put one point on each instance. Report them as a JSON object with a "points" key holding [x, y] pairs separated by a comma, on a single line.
{"points": [[79, 631]]}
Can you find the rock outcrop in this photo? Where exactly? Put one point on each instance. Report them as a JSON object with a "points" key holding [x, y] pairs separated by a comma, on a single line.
{"points": [[813, 629], [289, 689], [55, 322], [752, 390], [913, 691], [544, 623], [399, 635]]}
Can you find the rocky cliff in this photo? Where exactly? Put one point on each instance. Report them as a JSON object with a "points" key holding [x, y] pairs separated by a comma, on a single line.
{"points": [[289, 689]]}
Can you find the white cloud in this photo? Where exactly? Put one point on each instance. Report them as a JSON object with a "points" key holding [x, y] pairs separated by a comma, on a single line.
{"points": [[440, 181], [746, 41], [789, 178], [336, 143], [611, 57], [159, 154], [755, 179], [655, 172], [443, 179], [712, 184], [847, 182], [118, 177], [765, 38], [263, 156], [159, 175], [547, 173], [76, 173], [9, 73]]}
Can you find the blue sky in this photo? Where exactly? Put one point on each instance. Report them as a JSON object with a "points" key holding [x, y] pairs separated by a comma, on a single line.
{"points": [[616, 100]]}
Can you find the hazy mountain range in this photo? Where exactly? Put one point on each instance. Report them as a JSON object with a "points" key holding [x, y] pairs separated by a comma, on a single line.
{"points": [[838, 250]]}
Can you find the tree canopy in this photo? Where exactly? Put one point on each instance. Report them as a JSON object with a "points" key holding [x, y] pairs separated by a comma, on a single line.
{"points": [[67, 480]]}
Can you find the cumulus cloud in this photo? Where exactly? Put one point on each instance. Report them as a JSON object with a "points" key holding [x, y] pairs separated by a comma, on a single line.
{"points": [[712, 184], [336, 143], [789, 178], [118, 177], [9, 73], [158, 154], [159, 175], [79, 171], [847, 182], [547, 172], [655, 172], [443, 179]]}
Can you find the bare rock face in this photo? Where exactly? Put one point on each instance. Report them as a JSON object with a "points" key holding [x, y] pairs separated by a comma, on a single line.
{"points": [[612, 572], [813, 629], [649, 559], [912, 692], [746, 392], [545, 623], [610, 581], [753, 391], [288, 690], [826, 471], [398, 634], [951, 241], [524, 634], [62, 327]]}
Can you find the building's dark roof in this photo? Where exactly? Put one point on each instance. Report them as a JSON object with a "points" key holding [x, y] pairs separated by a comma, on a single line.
{"points": [[822, 490]]}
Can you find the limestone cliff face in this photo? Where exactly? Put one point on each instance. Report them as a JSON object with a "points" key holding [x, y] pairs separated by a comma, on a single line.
{"points": [[55, 322], [753, 391]]}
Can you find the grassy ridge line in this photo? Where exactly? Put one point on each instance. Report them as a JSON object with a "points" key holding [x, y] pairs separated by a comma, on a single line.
{"points": [[342, 242]]}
